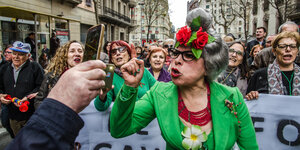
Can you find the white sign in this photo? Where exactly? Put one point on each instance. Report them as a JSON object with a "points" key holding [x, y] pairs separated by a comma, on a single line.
{"points": [[95, 134], [276, 121]]}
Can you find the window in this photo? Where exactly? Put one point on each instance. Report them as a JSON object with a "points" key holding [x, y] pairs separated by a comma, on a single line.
{"points": [[207, 6], [124, 9], [254, 10], [228, 10], [240, 29], [266, 5], [88, 3], [240, 22], [219, 30]]}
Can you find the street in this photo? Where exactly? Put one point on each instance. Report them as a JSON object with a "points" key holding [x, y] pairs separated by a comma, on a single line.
{"points": [[5, 139]]}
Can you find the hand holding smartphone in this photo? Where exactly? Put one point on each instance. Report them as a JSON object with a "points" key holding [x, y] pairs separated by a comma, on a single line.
{"points": [[93, 47]]}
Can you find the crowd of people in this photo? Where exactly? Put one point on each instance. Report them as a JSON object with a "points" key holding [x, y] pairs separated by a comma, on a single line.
{"points": [[185, 83]]}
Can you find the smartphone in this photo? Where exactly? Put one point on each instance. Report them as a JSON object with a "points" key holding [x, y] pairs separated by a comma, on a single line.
{"points": [[93, 48]]}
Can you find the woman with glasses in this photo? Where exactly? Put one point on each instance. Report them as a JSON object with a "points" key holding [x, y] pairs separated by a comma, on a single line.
{"points": [[119, 54], [236, 74], [193, 111], [8, 53], [157, 58], [283, 76]]}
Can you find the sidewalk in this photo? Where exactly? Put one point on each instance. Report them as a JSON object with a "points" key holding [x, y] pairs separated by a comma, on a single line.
{"points": [[5, 139]]}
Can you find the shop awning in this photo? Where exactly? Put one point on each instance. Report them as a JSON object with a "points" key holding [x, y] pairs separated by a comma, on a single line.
{"points": [[20, 13]]}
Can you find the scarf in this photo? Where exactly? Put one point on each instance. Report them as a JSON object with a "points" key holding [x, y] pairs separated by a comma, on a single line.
{"points": [[275, 80]]}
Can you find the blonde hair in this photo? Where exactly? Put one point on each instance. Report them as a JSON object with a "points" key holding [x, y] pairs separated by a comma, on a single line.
{"points": [[157, 49], [254, 47], [228, 39], [59, 63], [286, 34]]}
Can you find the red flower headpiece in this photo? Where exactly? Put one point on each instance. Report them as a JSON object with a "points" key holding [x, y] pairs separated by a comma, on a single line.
{"points": [[183, 35], [196, 40]]}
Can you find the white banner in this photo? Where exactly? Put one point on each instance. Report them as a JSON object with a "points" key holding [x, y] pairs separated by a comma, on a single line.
{"points": [[276, 120], [95, 134]]}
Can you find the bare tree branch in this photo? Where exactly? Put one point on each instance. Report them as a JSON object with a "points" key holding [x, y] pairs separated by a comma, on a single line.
{"points": [[226, 21], [242, 10], [284, 8], [153, 10]]}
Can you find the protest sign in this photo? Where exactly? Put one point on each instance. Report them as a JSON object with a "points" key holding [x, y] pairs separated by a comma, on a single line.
{"points": [[276, 121], [95, 134]]}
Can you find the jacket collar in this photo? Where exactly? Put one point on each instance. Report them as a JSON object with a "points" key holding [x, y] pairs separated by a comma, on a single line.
{"points": [[172, 126]]}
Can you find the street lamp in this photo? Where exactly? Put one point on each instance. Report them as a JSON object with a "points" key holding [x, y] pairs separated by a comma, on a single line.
{"points": [[141, 4]]}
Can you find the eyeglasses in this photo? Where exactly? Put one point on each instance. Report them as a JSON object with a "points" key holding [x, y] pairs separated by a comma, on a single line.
{"points": [[235, 51], [168, 46], [8, 52], [186, 55], [285, 46], [122, 49]]}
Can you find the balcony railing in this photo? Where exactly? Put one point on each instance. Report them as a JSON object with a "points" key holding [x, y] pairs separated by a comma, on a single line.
{"points": [[113, 13], [132, 3], [76, 2], [133, 22]]}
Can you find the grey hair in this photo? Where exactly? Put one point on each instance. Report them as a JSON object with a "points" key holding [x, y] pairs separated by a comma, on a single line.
{"points": [[288, 23], [271, 35], [215, 54], [168, 40]]}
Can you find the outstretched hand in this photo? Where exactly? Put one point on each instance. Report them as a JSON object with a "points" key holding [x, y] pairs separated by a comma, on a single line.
{"points": [[133, 72], [79, 85], [252, 95]]}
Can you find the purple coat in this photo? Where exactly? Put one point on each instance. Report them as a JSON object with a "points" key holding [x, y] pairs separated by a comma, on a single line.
{"points": [[164, 76]]}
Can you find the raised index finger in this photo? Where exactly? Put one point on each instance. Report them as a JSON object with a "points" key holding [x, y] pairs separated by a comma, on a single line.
{"points": [[89, 65]]}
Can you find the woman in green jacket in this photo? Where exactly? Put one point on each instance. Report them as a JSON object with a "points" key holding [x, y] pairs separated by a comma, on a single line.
{"points": [[193, 111], [120, 53]]}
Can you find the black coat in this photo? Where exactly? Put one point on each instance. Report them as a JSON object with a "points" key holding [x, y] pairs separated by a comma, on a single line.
{"points": [[53, 126], [259, 81], [29, 81], [253, 43]]}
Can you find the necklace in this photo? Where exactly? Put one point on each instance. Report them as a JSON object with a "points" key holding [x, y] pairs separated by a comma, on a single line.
{"points": [[199, 118], [289, 81], [227, 76]]}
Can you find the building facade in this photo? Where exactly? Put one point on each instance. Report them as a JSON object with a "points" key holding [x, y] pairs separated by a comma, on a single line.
{"points": [[263, 14], [66, 18], [69, 19], [260, 13], [118, 18], [224, 8], [159, 30]]}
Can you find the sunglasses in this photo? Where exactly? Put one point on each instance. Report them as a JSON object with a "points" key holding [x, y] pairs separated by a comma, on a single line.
{"points": [[8, 52], [122, 49], [168, 46]]}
